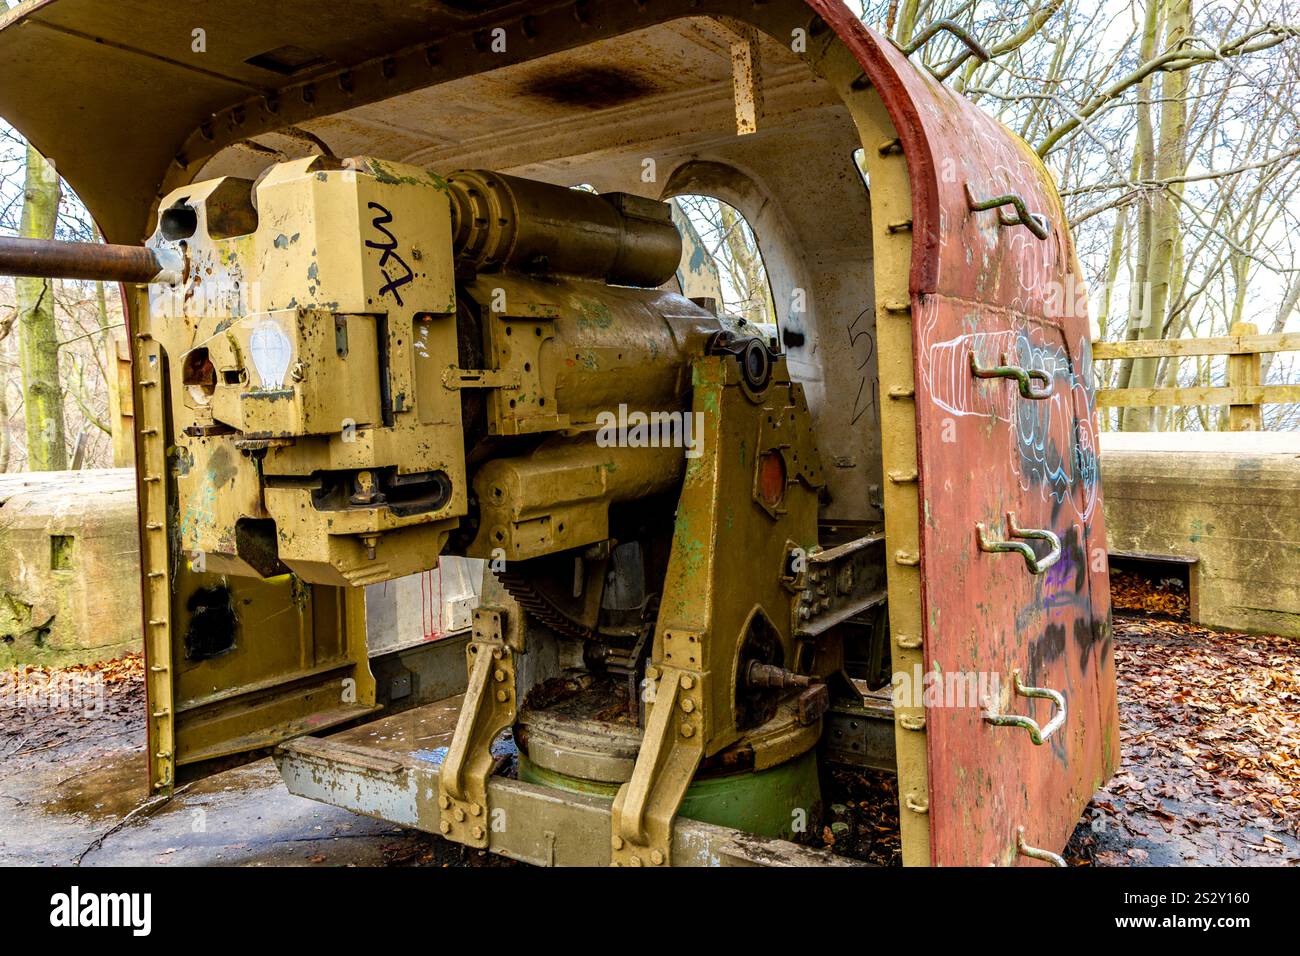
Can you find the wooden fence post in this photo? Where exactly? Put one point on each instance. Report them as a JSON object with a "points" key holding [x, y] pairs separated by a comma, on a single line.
{"points": [[1243, 371]]}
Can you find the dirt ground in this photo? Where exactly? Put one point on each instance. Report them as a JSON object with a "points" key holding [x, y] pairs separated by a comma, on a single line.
{"points": [[1210, 743], [1210, 774]]}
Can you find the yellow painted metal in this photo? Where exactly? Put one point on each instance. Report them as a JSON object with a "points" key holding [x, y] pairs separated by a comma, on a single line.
{"points": [[558, 496], [892, 203], [526, 226], [671, 751], [714, 602], [579, 347], [158, 605], [309, 361], [489, 708], [307, 340]]}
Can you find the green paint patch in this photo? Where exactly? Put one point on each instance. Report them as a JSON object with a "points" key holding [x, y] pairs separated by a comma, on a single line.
{"points": [[390, 177], [695, 471], [594, 315], [756, 802], [692, 553], [300, 592]]}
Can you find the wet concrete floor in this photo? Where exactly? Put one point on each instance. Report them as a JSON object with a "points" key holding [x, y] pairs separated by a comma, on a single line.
{"points": [[68, 780]]}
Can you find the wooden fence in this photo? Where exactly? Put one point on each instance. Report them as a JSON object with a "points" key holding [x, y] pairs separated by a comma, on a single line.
{"points": [[1243, 394]]}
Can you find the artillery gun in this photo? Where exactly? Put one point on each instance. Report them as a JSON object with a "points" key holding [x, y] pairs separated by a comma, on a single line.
{"points": [[709, 551]]}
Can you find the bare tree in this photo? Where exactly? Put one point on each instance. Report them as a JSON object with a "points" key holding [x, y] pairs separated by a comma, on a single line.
{"points": [[1174, 136]]}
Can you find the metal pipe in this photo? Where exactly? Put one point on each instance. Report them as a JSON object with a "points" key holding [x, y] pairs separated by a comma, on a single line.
{"points": [[53, 259], [503, 222]]}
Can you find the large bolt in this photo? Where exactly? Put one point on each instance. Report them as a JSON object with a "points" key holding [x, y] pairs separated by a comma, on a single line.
{"points": [[444, 801], [617, 842], [688, 705], [687, 682], [444, 826], [478, 833], [475, 810], [657, 858], [459, 814], [687, 730]]}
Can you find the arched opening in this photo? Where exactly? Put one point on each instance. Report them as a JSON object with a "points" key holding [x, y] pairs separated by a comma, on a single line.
{"points": [[721, 252]]}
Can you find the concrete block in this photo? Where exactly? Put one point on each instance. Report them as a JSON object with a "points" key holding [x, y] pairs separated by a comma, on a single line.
{"points": [[69, 567], [1235, 513], [70, 576]]}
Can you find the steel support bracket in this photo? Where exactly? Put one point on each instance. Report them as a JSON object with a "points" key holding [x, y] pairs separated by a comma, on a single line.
{"points": [[489, 708], [671, 750]]}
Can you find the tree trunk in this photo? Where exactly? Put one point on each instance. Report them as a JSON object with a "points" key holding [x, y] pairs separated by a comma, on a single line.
{"points": [[5, 447], [1171, 162], [1144, 159], [38, 335], [906, 24]]}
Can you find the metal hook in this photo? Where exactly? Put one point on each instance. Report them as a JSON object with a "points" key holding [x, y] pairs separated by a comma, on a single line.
{"points": [[1035, 564], [1038, 735], [1034, 853], [973, 47], [1024, 377], [1033, 221]]}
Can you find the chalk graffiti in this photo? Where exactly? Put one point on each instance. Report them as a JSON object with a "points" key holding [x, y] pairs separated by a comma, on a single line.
{"points": [[1054, 439]]}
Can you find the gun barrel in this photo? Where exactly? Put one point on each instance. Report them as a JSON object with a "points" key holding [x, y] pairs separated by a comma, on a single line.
{"points": [[53, 259]]}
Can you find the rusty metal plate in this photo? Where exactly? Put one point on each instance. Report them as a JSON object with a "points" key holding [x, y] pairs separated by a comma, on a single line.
{"points": [[988, 288]]}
